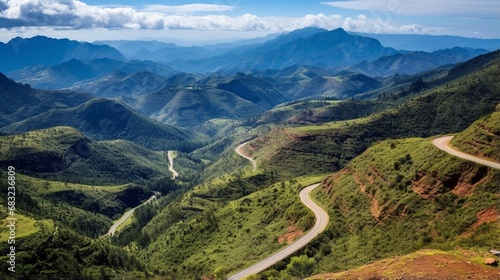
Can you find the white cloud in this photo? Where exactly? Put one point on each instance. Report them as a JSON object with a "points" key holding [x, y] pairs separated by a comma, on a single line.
{"points": [[476, 8], [74, 14], [188, 8]]}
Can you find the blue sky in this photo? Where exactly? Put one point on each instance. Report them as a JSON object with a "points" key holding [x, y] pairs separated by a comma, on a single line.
{"points": [[204, 21]]}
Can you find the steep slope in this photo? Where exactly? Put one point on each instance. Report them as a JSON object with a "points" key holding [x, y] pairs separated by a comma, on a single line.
{"points": [[482, 138], [19, 53], [79, 73], [424, 264], [253, 89], [300, 81], [189, 100], [23, 101], [189, 107], [104, 119], [118, 83], [403, 195]]}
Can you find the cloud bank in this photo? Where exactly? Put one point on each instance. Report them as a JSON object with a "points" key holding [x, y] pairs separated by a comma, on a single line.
{"points": [[73, 14]]}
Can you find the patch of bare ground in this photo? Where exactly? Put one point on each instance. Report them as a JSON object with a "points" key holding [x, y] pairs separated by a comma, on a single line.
{"points": [[427, 186], [489, 215], [375, 209], [292, 233], [330, 181], [276, 139], [424, 264], [469, 180], [462, 184]]}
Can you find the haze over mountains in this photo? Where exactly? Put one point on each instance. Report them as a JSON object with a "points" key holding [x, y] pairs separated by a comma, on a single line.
{"points": [[94, 130]]}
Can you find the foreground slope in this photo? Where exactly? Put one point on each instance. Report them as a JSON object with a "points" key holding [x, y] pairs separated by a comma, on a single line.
{"points": [[403, 195], [424, 264]]}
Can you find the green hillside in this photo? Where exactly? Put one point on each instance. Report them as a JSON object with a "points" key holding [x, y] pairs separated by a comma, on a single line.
{"points": [[482, 138], [449, 107], [64, 153], [22, 101], [104, 119], [403, 195], [230, 222], [192, 106]]}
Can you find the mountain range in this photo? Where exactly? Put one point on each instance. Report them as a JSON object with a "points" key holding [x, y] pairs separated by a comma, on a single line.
{"points": [[19, 53], [196, 157]]}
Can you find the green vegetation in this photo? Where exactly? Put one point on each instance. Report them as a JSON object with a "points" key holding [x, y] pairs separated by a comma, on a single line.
{"points": [[104, 119], [301, 267], [403, 195], [482, 138], [65, 154], [447, 108], [89, 210], [216, 225], [390, 195]]}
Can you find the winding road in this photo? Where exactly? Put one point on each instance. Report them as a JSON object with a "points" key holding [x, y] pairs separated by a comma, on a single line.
{"points": [[322, 217], [241, 153], [171, 165], [127, 215], [443, 143], [321, 222]]}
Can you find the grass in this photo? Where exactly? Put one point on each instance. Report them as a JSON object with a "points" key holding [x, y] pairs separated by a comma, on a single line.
{"points": [[482, 138], [55, 139], [330, 125], [65, 154], [43, 187], [25, 225]]}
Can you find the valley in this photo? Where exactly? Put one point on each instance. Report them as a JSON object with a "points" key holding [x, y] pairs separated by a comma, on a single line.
{"points": [[312, 153]]}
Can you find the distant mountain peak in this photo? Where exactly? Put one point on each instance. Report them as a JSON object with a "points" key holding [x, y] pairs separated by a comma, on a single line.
{"points": [[20, 52]]}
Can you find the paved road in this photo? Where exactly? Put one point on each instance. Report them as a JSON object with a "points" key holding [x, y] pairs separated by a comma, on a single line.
{"points": [[127, 215], [241, 153], [443, 143], [171, 165], [321, 223]]}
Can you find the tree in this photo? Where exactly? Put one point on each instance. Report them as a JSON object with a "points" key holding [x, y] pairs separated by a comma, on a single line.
{"points": [[300, 266]]}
